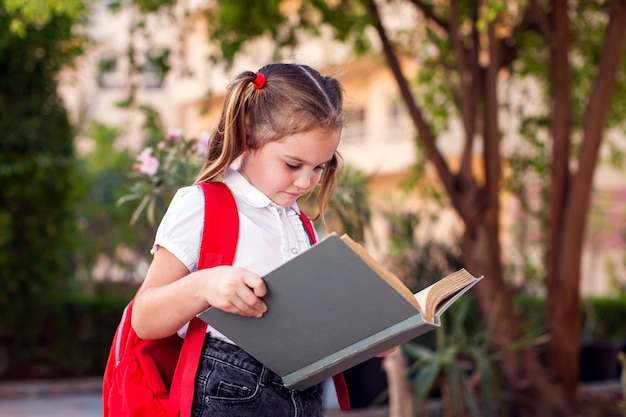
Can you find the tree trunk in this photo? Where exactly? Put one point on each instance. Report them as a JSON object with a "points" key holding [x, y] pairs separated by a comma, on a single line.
{"points": [[534, 394], [564, 280], [400, 396], [534, 390]]}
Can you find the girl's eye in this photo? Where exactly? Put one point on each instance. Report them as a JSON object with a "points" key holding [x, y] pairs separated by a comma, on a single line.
{"points": [[295, 167]]}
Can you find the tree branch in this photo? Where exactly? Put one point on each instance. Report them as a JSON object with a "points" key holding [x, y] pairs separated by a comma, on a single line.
{"points": [[423, 129], [597, 110], [561, 103], [491, 128], [468, 69], [429, 13]]}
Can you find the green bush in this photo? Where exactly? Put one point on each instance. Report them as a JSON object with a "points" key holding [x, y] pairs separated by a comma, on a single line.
{"points": [[602, 317], [36, 163], [65, 336], [37, 177]]}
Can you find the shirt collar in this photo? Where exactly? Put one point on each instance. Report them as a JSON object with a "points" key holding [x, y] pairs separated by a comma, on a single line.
{"points": [[247, 192]]}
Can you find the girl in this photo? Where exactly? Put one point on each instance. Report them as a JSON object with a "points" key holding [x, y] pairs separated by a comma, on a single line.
{"points": [[282, 125]]}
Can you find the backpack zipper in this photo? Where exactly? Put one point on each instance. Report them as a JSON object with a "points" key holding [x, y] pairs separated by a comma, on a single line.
{"points": [[118, 338]]}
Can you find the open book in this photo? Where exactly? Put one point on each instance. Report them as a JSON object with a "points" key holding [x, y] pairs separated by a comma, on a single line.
{"points": [[333, 307], [431, 300]]}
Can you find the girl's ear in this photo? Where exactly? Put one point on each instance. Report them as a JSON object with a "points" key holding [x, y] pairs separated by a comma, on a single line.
{"points": [[249, 142]]}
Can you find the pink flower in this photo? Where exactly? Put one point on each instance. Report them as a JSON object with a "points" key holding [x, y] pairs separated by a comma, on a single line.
{"points": [[162, 145], [203, 142], [148, 164], [174, 134]]}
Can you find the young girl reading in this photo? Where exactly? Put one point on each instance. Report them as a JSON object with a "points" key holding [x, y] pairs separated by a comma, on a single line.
{"points": [[276, 140]]}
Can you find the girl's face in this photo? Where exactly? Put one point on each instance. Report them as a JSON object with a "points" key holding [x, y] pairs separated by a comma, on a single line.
{"points": [[286, 169]]}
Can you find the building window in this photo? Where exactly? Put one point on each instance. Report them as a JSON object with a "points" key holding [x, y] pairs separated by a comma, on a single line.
{"points": [[155, 68], [110, 75], [398, 121], [355, 125]]}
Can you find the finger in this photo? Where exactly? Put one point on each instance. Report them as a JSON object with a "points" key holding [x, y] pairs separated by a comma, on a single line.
{"points": [[255, 305], [255, 283], [248, 304], [387, 352]]}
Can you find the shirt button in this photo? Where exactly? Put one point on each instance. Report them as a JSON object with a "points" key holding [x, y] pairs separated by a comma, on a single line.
{"points": [[294, 250]]}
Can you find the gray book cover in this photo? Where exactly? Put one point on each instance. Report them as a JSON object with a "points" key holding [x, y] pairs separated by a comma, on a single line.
{"points": [[328, 310]]}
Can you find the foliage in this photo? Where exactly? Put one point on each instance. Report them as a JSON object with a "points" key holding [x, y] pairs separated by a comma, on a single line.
{"points": [[415, 257], [283, 23], [600, 317], [106, 236], [25, 14], [456, 365], [173, 162], [461, 365], [37, 168], [68, 335], [528, 177], [348, 210]]}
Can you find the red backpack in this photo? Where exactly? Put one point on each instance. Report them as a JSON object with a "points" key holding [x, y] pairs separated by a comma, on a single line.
{"points": [[156, 377]]}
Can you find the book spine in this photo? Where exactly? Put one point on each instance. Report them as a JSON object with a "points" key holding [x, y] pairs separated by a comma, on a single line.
{"points": [[356, 353]]}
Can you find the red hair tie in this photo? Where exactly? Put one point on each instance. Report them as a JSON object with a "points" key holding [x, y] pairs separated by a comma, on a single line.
{"points": [[259, 81]]}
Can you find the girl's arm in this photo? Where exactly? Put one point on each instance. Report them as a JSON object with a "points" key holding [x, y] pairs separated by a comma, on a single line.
{"points": [[170, 296]]}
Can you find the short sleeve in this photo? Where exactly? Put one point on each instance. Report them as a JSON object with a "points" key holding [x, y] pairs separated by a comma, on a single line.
{"points": [[180, 231]]}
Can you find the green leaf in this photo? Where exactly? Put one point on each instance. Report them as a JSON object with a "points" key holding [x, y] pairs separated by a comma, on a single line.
{"points": [[425, 382]]}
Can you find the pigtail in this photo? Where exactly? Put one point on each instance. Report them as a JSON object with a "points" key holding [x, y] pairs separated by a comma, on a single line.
{"points": [[228, 141]]}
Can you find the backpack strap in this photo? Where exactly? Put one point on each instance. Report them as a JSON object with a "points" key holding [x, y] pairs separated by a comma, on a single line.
{"points": [[219, 241], [341, 387]]}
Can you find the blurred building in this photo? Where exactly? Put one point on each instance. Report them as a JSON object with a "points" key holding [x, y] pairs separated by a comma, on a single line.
{"points": [[378, 139]]}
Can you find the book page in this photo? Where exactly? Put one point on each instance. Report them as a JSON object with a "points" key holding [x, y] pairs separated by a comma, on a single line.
{"points": [[430, 297], [382, 271]]}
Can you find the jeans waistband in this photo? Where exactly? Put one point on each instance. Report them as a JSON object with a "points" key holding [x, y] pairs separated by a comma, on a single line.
{"points": [[234, 355]]}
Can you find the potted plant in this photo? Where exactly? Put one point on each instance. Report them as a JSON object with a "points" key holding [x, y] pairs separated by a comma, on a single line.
{"points": [[459, 367]]}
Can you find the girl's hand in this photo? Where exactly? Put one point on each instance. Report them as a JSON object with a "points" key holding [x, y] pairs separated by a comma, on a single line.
{"points": [[387, 352], [236, 290]]}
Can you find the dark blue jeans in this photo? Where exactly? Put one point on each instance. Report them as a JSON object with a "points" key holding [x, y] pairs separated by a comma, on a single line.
{"points": [[231, 383]]}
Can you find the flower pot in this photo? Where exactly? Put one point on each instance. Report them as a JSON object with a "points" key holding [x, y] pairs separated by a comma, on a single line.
{"points": [[366, 382], [598, 360]]}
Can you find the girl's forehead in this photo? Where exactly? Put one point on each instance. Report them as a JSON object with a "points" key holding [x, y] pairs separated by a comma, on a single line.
{"points": [[315, 146]]}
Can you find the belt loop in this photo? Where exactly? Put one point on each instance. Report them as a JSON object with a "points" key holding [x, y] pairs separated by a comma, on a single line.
{"points": [[265, 376]]}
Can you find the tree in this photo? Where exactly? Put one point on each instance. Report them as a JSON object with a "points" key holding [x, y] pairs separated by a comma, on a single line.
{"points": [[465, 49], [572, 49], [36, 171]]}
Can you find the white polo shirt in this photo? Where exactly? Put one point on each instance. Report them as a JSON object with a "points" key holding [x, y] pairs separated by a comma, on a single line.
{"points": [[269, 235]]}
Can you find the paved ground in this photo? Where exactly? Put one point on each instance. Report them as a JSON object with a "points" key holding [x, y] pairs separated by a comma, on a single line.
{"points": [[80, 405], [81, 398], [59, 398]]}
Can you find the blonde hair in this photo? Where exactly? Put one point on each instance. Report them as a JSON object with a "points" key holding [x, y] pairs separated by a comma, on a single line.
{"points": [[295, 98]]}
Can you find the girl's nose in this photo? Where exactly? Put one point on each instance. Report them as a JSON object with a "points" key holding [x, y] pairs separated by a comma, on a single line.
{"points": [[303, 181]]}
